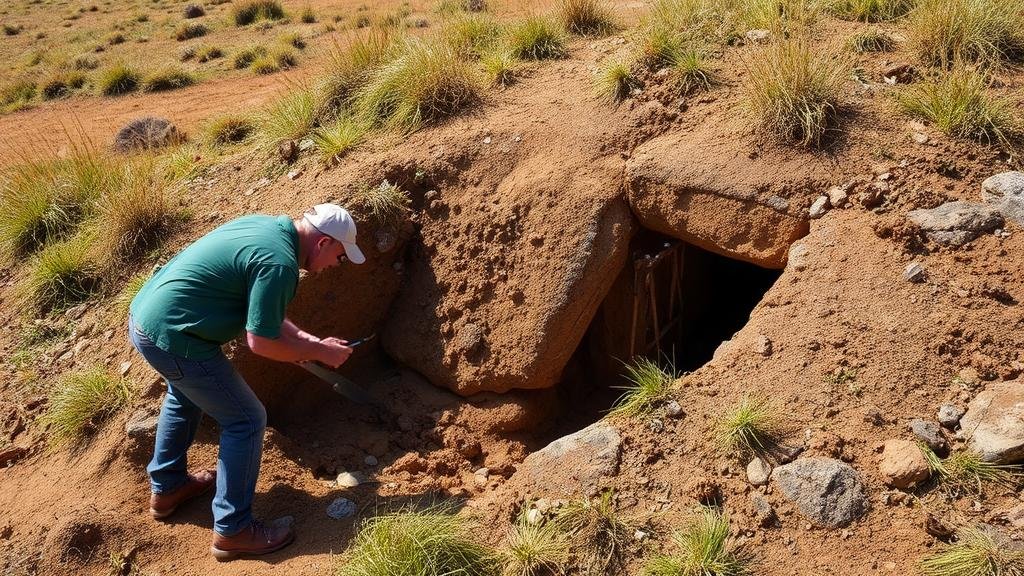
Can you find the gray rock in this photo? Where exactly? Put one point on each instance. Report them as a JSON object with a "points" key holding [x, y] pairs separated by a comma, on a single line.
{"points": [[1012, 209], [141, 425], [385, 240], [819, 207], [929, 432], [593, 452], [1001, 186], [914, 272], [950, 415], [777, 202], [673, 409], [370, 460], [994, 423], [764, 514], [956, 222], [341, 508], [837, 196], [758, 472], [826, 491]]}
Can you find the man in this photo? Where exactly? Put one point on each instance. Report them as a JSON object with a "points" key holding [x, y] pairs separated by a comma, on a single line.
{"points": [[241, 276]]}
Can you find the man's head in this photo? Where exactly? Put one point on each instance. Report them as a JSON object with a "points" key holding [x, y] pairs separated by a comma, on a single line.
{"points": [[333, 238]]}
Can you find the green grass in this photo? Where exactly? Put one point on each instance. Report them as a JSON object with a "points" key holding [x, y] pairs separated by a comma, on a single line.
{"points": [[472, 35], [135, 212], [975, 553], [536, 38], [782, 17], [245, 57], [534, 549], [81, 402], [350, 67], [649, 384], [749, 426], [966, 472], [208, 53], [60, 275], [871, 40], [943, 32], [958, 103], [274, 61], [127, 294], [246, 12], [599, 535], [432, 542], [118, 79], [293, 39], [229, 129], [289, 118], [17, 96], [334, 140], [426, 83], [189, 30], [384, 203], [703, 549], [690, 71], [500, 67], [793, 90], [586, 17], [61, 84], [169, 78], [615, 81], [870, 10], [308, 15]]}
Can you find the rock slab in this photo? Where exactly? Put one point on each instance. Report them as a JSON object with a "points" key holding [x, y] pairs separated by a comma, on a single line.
{"points": [[956, 223], [826, 491], [1005, 192], [341, 508], [902, 464], [581, 458], [994, 423]]}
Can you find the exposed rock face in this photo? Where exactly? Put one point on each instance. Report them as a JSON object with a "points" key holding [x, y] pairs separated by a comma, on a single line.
{"points": [[902, 464], [826, 491], [720, 202], [994, 422], [956, 223], [584, 456], [508, 278], [1006, 193], [146, 133]]}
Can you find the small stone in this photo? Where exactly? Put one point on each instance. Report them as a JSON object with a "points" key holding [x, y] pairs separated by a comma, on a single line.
{"points": [[759, 36], [485, 472], [798, 256], [914, 272], [347, 480], [534, 517], [819, 207], [370, 460], [293, 174], [487, 140], [288, 151], [125, 367], [758, 472], [640, 535], [778, 203], [306, 144], [764, 514], [930, 433], [385, 240], [950, 415], [837, 196], [902, 464], [919, 137], [673, 409], [141, 425], [341, 508]]}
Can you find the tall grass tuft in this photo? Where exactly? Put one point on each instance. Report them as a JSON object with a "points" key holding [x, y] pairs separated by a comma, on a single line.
{"points": [[500, 67], [870, 10], [793, 91], [958, 103], [189, 30], [384, 203], [536, 38], [426, 83], [534, 549], [782, 17], [703, 549], [943, 32], [350, 68], [62, 83], [81, 402], [597, 529], [966, 472], [289, 118], [245, 57], [472, 34], [649, 384], [229, 129], [751, 426], [60, 275], [246, 12], [615, 81], [690, 70], [135, 212], [17, 96], [586, 17], [871, 40], [975, 553], [432, 542], [169, 78], [127, 294], [334, 140], [118, 79]]}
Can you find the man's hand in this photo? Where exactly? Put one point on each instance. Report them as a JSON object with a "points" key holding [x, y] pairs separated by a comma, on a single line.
{"points": [[333, 352]]}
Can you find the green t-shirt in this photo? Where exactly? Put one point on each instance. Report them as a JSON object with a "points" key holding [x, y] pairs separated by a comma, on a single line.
{"points": [[242, 275]]}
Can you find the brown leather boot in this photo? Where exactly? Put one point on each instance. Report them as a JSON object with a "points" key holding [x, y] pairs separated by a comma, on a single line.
{"points": [[257, 539], [163, 505]]}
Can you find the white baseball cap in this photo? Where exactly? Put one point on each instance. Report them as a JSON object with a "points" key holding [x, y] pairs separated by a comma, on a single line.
{"points": [[336, 222]]}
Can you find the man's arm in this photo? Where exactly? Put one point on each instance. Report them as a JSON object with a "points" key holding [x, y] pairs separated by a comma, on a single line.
{"points": [[290, 348]]}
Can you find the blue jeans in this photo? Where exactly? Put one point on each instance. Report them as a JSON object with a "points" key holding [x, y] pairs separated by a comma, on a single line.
{"points": [[212, 386]]}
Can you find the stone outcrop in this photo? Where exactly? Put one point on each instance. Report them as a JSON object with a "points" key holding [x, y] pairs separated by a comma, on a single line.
{"points": [[994, 423], [722, 202], [826, 491], [956, 223], [574, 461]]}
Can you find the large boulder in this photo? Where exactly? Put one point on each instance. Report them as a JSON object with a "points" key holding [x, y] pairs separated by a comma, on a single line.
{"points": [[574, 461], [956, 223], [703, 192], [509, 274], [994, 423], [826, 491]]}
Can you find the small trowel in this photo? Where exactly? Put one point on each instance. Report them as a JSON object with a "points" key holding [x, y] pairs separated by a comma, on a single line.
{"points": [[342, 385]]}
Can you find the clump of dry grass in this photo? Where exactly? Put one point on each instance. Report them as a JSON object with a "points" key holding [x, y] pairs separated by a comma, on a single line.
{"points": [[958, 103], [168, 78], [793, 90], [60, 275], [534, 549], [384, 203], [17, 96], [229, 129], [597, 531], [134, 212], [61, 84], [975, 553], [81, 402], [615, 81], [703, 549], [649, 384], [245, 57], [500, 66], [118, 79], [274, 61], [691, 71], [871, 40], [943, 32], [586, 17], [289, 118], [536, 38], [472, 35], [334, 140], [246, 12], [752, 425], [870, 10], [207, 53], [350, 68], [966, 472], [189, 30]]}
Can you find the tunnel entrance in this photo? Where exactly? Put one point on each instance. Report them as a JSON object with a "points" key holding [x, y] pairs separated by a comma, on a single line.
{"points": [[674, 303]]}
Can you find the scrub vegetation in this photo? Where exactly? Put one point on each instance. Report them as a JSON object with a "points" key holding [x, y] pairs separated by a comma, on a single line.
{"points": [[81, 401], [703, 548], [649, 384], [749, 426], [977, 553]]}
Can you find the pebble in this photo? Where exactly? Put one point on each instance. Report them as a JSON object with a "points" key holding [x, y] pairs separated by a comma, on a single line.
{"points": [[292, 175], [950, 415], [341, 508], [640, 535], [534, 517], [837, 196], [347, 480], [487, 140], [763, 345], [673, 409], [758, 472], [914, 272], [920, 138], [819, 207], [902, 464]]}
